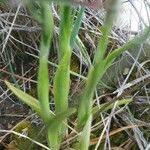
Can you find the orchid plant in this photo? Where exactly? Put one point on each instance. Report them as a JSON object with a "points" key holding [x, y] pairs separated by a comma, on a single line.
{"points": [[56, 122]]}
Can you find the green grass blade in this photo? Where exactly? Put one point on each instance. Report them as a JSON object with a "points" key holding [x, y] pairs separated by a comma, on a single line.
{"points": [[76, 27], [82, 48]]}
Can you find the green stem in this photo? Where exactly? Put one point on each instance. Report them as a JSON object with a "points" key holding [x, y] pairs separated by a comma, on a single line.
{"points": [[62, 76], [43, 81], [95, 74]]}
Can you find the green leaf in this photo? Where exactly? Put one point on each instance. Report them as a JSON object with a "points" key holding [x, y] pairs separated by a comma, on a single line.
{"points": [[106, 106], [137, 40], [26, 98]]}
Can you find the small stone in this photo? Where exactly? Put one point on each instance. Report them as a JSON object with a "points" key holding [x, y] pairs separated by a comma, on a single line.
{"points": [[126, 71], [9, 126]]}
